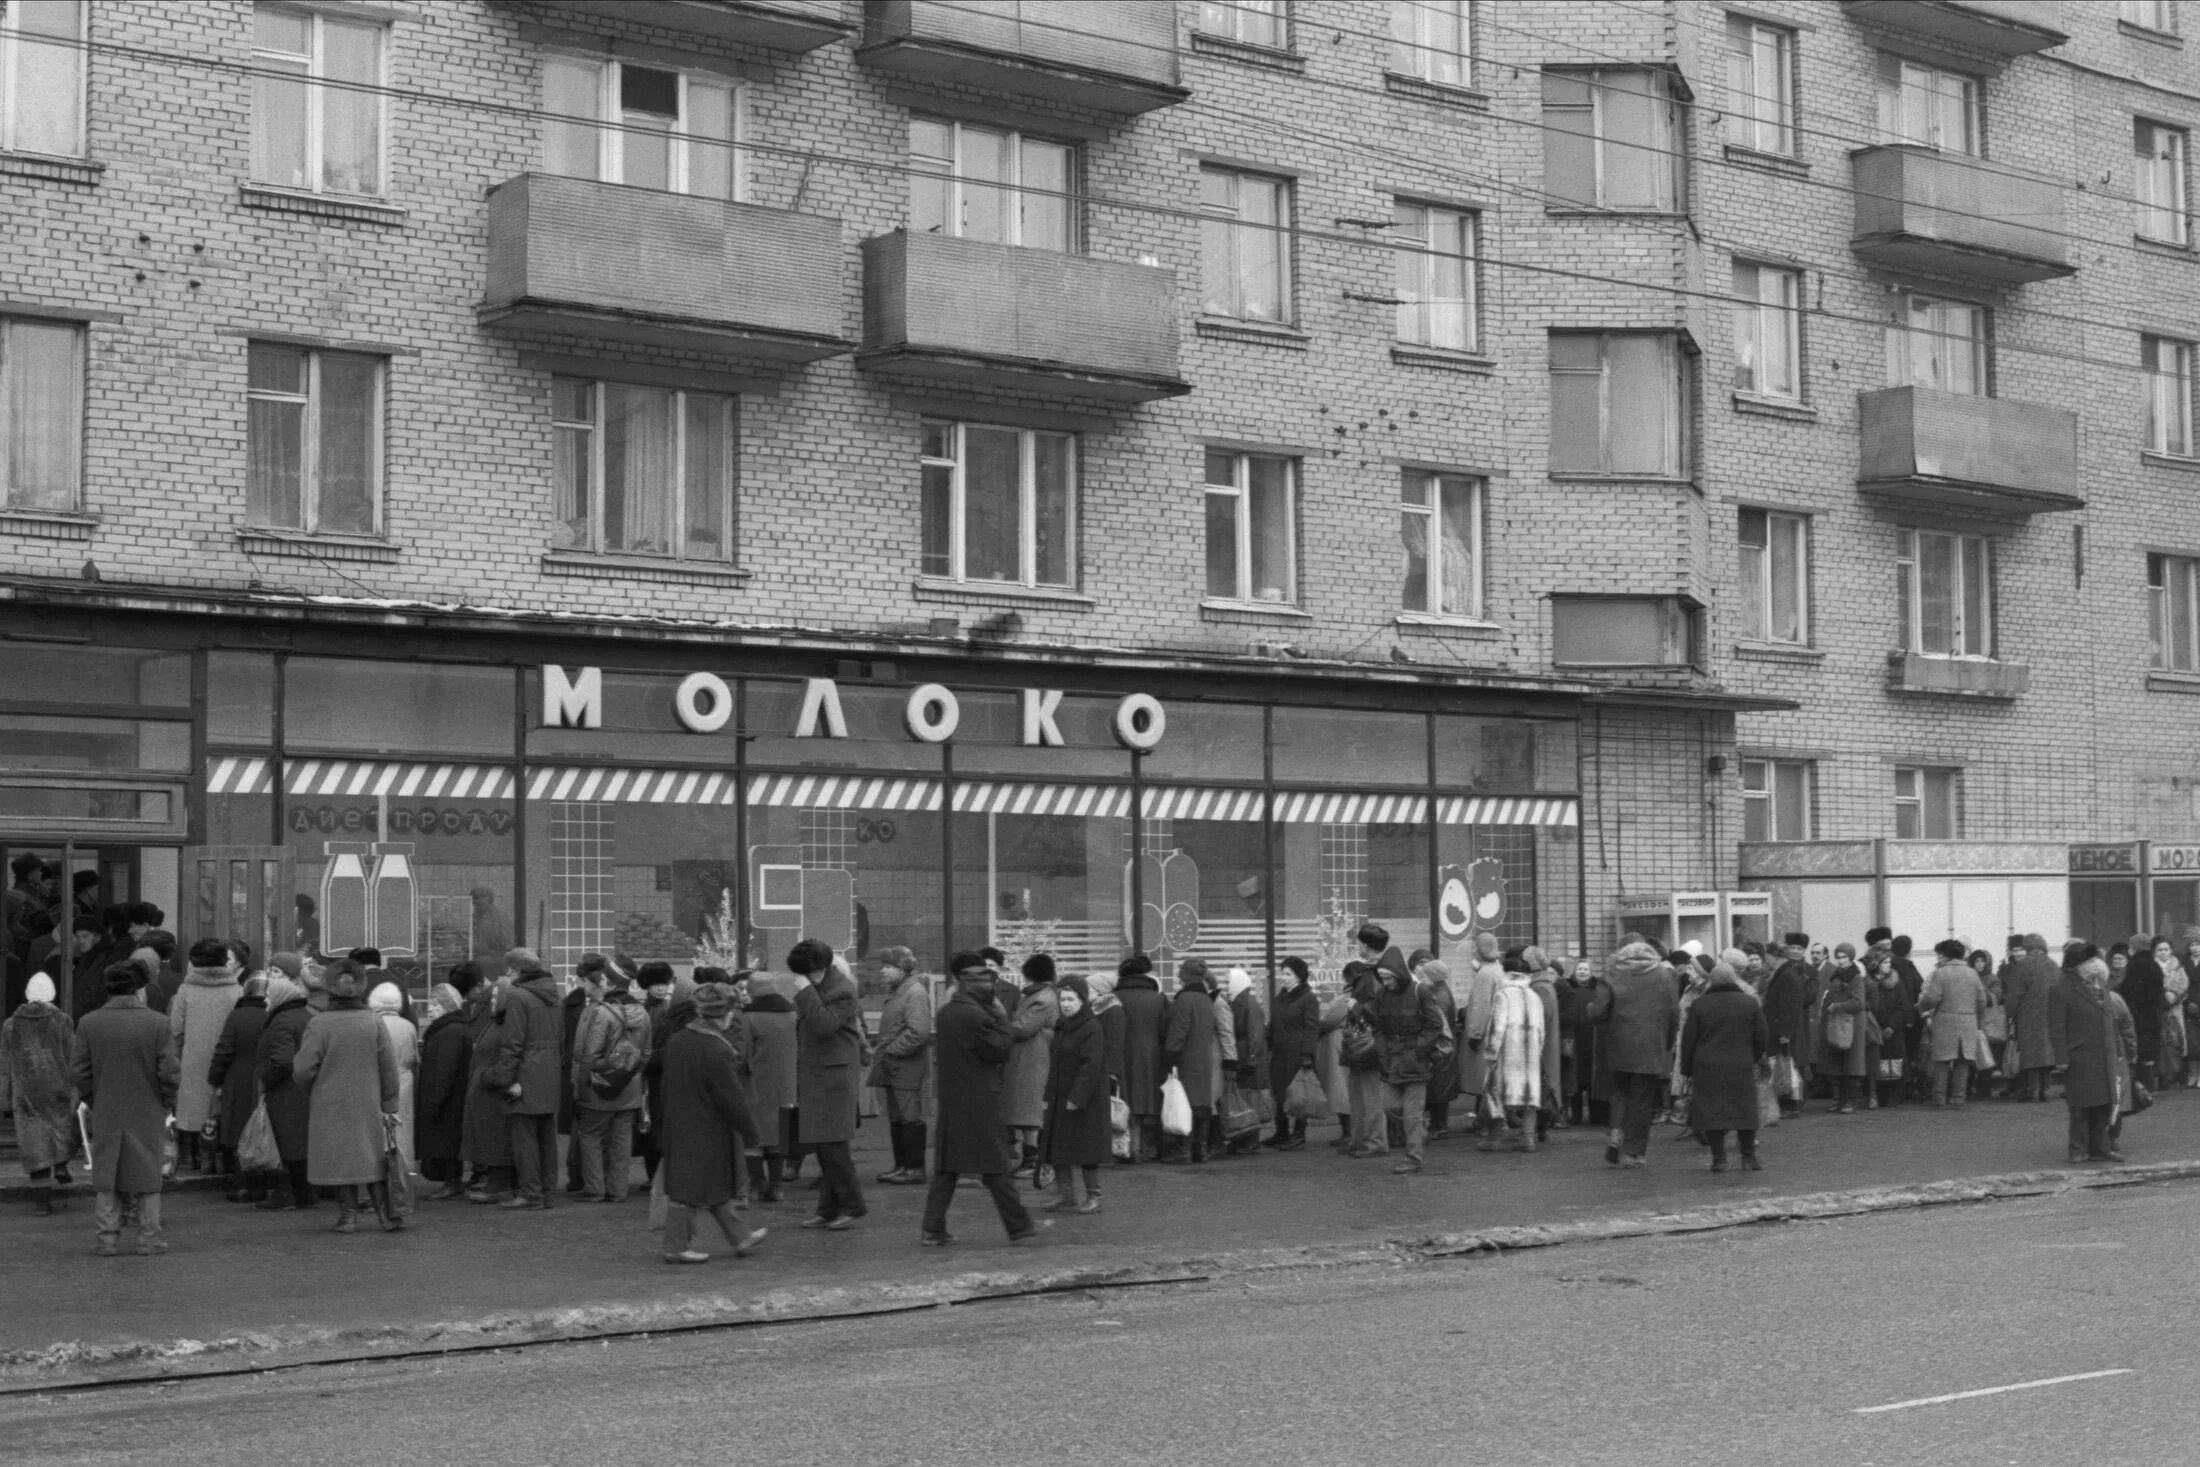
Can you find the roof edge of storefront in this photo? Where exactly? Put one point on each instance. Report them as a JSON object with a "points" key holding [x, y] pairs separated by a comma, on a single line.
{"points": [[1708, 700]]}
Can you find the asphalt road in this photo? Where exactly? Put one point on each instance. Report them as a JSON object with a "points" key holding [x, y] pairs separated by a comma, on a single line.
{"points": [[1757, 1346]]}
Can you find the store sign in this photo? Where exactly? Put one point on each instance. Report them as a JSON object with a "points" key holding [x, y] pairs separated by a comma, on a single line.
{"points": [[703, 702], [403, 820], [2116, 860], [2163, 859]]}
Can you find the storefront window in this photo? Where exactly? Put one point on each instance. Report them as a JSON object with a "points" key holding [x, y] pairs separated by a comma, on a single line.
{"points": [[1344, 859], [355, 706], [1517, 881], [240, 698], [647, 880], [1350, 743], [1044, 882], [1209, 741], [1504, 753], [39, 741], [1204, 882], [859, 869], [82, 674]]}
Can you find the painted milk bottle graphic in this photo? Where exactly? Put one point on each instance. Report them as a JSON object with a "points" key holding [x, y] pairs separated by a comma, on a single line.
{"points": [[346, 922], [393, 899]]}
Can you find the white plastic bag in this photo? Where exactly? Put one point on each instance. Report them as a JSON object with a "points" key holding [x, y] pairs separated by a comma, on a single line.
{"points": [[1176, 1107]]}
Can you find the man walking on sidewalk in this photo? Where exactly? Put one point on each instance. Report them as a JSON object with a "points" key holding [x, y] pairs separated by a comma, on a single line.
{"points": [[828, 1075], [1639, 1034], [707, 1123], [972, 1040], [126, 1072], [529, 1073]]}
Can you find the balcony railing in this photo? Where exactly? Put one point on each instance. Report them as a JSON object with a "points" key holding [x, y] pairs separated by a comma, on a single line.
{"points": [[967, 312], [574, 257], [1954, 450], [779, 25], [1960, 677], [1950, 214], [1113, 56], [2005, 28]]}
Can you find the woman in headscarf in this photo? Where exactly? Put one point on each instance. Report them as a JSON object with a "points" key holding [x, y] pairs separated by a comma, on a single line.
{"points": [[1584, 1001], [1107, 1011], [236, 1086], [1074, 1140], [1329, 1065], [1294, 1032], [388, 1003], [1515, 1054], [348, 1066], [2169, 1068], [771, 1020], [488, 1147], [1848, 995], [1443, 1080], [1248, 1049], [1888, 1026], [2093, 1042], [1723, 1040], [2144, 991], [439, 1099], [1696, 981], [1024, 1082], [37, 1050], [1543, 978], [289, 1009]]}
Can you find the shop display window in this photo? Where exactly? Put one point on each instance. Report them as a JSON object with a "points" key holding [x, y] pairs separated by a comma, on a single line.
{"points": [[352, 705], [37, 673], [1328, 744], [240, 698], [1211, 741]]}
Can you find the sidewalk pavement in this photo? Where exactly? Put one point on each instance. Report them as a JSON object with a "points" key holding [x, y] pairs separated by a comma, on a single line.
{"points": [[248, 1289]]}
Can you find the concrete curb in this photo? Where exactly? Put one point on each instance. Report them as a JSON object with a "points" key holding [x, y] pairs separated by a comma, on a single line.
{"points": [[71, 1365]]}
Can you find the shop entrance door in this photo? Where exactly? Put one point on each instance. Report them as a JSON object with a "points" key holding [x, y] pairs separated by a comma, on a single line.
{"points": [[240, 892], [79, 877]]}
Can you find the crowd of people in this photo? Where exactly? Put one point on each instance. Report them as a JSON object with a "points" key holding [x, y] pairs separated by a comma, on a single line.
{"points": [[313, 1080]]}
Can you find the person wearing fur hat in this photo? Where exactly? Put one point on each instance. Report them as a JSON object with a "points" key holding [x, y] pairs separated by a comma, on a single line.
{"points": [[1953, 1003], [196, 1015], [1188, 1049], [828, 1077], [904, 1062], [707, 1122], [1076, 1135], [972, 1041], [1247, 1053], [1145, 1021], [1640, 1028], [37, 1053], [1024, 1085], [349, 1069], [1723, 1040], [1411, 1036], [1294, 1034], [124, 1068], [236, 1087]]}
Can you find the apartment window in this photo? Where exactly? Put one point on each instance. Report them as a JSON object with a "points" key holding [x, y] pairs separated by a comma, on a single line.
{"points": [[2173, 613], [1435, 282], [1250, 551], [1775, 567], [42, 77], [314, 425], [1776, 799], [1768, 331], [1760, 85], [1928, 803], [987, 183], [1945, 593], [1245, 244], [2159, 181], [1612, 140], [1254, 22], [41, 414], [1928, 106], [317, 121], [1616, 404], [1432, 40], [642, 125], [643, 470], [2168, 366], [1440, 525], [1624, 631], [1937, 343], [2152, 15], [999, 504]]}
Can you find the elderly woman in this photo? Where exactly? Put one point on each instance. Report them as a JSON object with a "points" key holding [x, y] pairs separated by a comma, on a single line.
{"points": [[2142, 985], [289, 1108], [1443, 1080], [439, 1100], [1294, 1033], [1024, 1085], [2176, 987], [1844, 1013], [348, 1067], [388, 1003], [1954, 1003], [2095, 1043], [37, 1052], [236, 1085], [1075, 1139], [1723, 1040]]}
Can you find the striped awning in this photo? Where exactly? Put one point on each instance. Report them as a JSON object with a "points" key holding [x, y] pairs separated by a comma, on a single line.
{"points": [[1508, 810], [1203, 804], [1303, 808], [1071, 801], [634, 786], [844, 792], [363, 778]]}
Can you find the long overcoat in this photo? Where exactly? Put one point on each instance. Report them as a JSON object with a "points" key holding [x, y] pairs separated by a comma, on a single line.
{"points": [[1188, 1044], [771, 1060], [439, 1096], [1545, 985], [1443, 1079], [195, 1017], [37, 1059], [2083, 1028], [349, 1067], [1294, 1031], [1956, 997], [829, 1062], [288, 1105], [1077, 1131], [488, 1140], [2025, 994], [125, 1068], [1032, 1029], [1724, 1038], [231, 1073], [1111, 1038], [1787, 1008], [1145, 1022], [1644, 1018], [708, 1119], [531, 1048], [2143, 993], [904, 1059], [971, 1041]]}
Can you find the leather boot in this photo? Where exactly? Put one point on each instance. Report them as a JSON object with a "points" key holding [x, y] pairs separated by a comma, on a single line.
{"points": [[347, 1210], [378, 1193], [1065, 1191], [42, 1197]]}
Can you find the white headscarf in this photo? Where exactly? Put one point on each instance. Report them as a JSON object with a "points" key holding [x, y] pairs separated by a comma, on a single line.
{"points": [[385, 999], [1235, 982], [39, 990]]}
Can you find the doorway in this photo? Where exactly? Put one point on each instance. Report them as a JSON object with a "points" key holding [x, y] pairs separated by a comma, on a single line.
{"points": [[58, 887]]}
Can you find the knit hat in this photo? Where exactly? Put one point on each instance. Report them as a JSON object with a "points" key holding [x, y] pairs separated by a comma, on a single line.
{"points": [[289, 964], [713, 1000], [1039, 968], [39, 989], [385, 999], [1075, 984]]}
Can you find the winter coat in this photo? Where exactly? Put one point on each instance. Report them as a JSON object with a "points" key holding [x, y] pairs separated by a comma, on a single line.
{"points": [[530, 1050], [1956, 999], [1410, 1032], [1250, 1024], [289, 1107], [348, 1065], [405, 1045], [1188, 1044], [231, 1072], [1893, 1020], [125, 1068], [1474, 1029], [2142, 991], [829, 1059], [708, 1118], [1848, 991], [1329, 1066], [1032, 1028], [619, 1016], [1514, 1048], [1724, 1038], [488, 1140], [971, 1044], [1787, 1008], [1545, 985], [1582, 1011], [195, 1017], [1645, 1013], [1077, 1130], [1294, 1029], [439, 1097], [771, 1059], [1145, 1022], [1443, 1080], [2083, 1027], [1111, 1037], [1225, 1046], [570, 1009], [904, 1060], [37, 1084]]}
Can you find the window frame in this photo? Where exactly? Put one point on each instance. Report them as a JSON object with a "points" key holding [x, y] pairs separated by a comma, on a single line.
{"points": [[1766, 795], [1421, 56], [1892, 92], [2145, 13], [1922, 797], [1745, 98], [316, 93], [1419, 255], [1754, 318], [80, 336], [1236, 226], [2167, 389], [12, 42], [1903, 338], [729, 527], [2150, 168], [1241, 491], [1236, 17], [1673, 374], [2173, 647], [1761, 600], [1431, 512], [1027, 492], [1669, 127], [1909, 574], [612, 130], [1680, 630], [310, 470], [957, 183]]}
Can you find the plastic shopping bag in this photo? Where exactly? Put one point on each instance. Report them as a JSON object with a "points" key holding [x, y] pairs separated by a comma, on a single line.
{"points": [[256, 1149], [1119, 1125], [1240, 1117], [1768, 1104], [1306, 1100], [1176, 1107]]}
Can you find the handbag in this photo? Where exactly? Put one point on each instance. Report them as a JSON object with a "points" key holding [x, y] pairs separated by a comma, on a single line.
{"points": [[1176, 1107], [1768, 1103], [1264, 1104], [1239, 1117], [396, 1172], [256, 1148], [1306, 1099], [1119, 1123], [1840, 1031], [1358, 1046], [1890, 1069]]}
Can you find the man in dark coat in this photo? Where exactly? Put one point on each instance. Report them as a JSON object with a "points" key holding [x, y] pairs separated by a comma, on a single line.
{"points": [[1075, 1137], [2144, 990], [1294, 1032], [1145, 1021], [1411, 1039], [529, 1069], [487, 1148], [439, 1097], [1188, 1048], [1721, 1044], [828, 1077], [2083, 1025], [1639, 1030], [1919, 1079], [2026, 990], [708, 1121], [289, 1104], [1787, 1007], [126, 1070], [971, 1042], [237, 1084], [590, 969]]}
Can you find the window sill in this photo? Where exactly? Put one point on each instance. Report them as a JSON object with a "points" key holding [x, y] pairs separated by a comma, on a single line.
{"points": [[980, 593], [579, 565], [1248, 53], [2169, 461], [1257, 333], [1779, 652], [2168, 249], [1775, 407], [58, 170], [1575, 476], [1443, 359], [2173, 682], [325, 206], [1591, 211], [2139, 32], [1443, 94], [35, 524], [1255, 612], [256, 541], [1750, 157], [1427, 624]]}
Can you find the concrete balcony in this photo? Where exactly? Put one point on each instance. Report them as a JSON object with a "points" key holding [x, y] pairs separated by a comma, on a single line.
{"points": [[1961, 677], [778, 25], [2004, 28], [1950, 214], [1951, 450], [1113, 56], [574, 257], [972, 314]]}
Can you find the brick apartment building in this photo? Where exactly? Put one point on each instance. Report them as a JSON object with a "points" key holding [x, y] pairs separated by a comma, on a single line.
{"points": [[954, 471]]}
